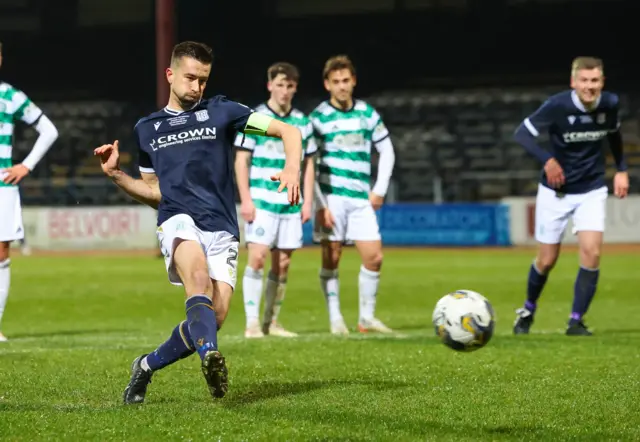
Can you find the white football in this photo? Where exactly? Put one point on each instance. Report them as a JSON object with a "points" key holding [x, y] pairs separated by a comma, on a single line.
{"points": [[464, 320]]}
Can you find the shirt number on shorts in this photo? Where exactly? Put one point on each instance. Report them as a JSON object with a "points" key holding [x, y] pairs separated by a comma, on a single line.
{"points": [[232, 257]]}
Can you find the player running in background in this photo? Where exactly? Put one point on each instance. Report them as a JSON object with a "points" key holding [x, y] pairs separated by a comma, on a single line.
{"points": [[185, 154], [272, 224], [15, 106], [346, 128], [573, 183]]}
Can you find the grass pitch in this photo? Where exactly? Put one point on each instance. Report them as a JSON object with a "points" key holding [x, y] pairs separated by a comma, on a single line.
{"points": [[76, 324]]}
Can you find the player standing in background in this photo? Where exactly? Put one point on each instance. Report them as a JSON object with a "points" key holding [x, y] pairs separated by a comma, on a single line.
{"points": [[272, 224], [573, 183], [15, 106], [185, 154], [346, 128]]}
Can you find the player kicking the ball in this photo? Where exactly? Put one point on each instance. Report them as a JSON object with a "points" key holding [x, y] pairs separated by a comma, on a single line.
{"points": [[346, 129], [272, 224], [15, 106], [185, 163], [573, 183]]}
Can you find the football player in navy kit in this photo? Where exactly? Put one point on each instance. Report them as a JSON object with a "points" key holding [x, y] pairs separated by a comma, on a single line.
{"points": [[573, 183], [185, 161]]}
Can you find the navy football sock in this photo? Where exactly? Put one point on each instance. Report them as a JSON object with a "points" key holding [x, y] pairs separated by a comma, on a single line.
{"points": [[584, 291], [202, 324], [178, 346], [535, 284]]}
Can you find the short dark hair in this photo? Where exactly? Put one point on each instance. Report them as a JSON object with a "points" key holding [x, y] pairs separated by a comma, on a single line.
{"points": [[338, 63], [192, 49], [287, 69]]}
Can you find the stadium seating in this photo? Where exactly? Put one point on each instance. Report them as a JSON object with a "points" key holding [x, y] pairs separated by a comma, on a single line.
{"points": [[451, 146]]}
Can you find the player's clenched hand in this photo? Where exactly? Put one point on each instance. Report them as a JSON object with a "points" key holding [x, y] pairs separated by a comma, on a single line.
{"points": [[248, 211], [13, 175], [109, 158], [289, 178], [325, 219], [376, 200], [554, 173], [621, 184]]}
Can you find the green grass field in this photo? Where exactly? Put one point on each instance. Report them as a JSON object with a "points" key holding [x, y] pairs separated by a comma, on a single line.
{"points": [[78, 322]]}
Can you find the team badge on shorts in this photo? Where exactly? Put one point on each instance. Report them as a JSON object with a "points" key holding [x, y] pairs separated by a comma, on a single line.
{"points": [[259, 231], [202, 115]]}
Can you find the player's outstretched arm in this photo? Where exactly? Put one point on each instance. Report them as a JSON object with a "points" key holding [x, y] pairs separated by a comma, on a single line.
{"points": [[145, 190]]}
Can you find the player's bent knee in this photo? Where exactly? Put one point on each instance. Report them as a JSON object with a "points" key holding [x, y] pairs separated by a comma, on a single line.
{"points": [[256, 263], [281, 261], [374, 261], [257, 256], [371, 254], [590, 248], [331, 252], [197, 282], [590, 256], [547, 257], [222, 294]]}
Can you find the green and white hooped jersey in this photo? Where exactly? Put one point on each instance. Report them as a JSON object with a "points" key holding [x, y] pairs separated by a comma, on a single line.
{"points": [[14, 106], [345, 139], [268, 158]]}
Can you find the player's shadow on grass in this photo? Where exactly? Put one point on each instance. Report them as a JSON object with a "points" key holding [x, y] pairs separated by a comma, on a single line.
{"points": [[263, 391], [412, 327], [54, 333], [615, 331]]}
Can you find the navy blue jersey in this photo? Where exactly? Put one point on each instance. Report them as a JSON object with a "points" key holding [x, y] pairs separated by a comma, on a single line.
{"points": [[191, 154], [576, 136]]}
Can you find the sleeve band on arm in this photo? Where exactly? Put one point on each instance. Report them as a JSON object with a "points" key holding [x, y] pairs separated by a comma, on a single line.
{"points": [[257, 124]]}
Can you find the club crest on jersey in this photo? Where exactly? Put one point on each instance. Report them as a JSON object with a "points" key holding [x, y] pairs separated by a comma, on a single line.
{"points": [[202, 115], [601, 118], [363, 122]]}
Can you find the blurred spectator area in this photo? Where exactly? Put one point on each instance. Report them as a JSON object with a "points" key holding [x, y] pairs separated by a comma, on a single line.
{"points": [[453, 146]]}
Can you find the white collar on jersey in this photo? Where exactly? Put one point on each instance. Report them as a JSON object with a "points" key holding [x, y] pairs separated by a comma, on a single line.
{"points": [[170, 111], [577, 103]]}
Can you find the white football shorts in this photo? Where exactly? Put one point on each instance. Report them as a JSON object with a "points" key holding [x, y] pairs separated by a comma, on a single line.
{"points": [[220, 248], [588, 211]]}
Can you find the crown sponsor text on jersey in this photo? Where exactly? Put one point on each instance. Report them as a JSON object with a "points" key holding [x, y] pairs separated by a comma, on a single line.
{"points": [[580, 137], [202, 133]]}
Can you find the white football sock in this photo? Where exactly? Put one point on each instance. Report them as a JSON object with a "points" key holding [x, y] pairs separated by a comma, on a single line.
{"points": [[252, 292], [274, 296], [5, 279], [368, 281], [331, 289]]}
